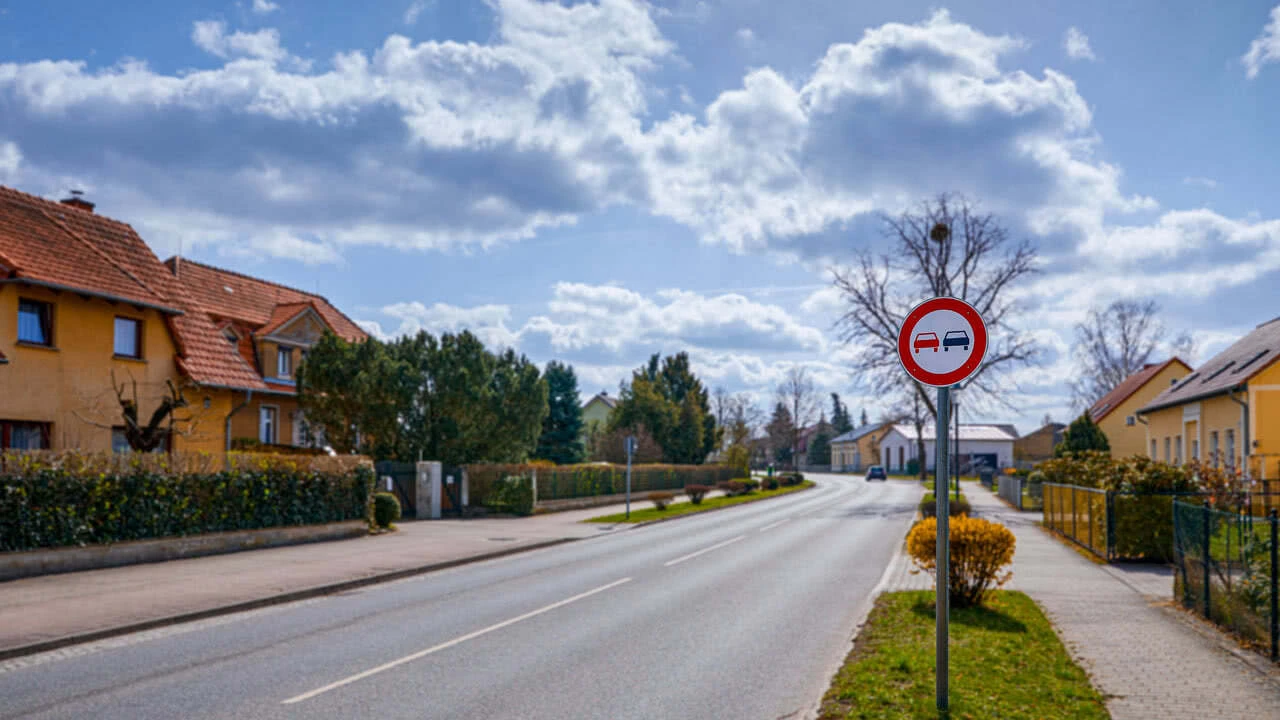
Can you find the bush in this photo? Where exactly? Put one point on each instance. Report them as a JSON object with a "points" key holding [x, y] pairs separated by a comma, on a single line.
{"points": [[56, 499], [696, 493], [929, 506], [790, 479], [980, 550], [749, 486], [661, 499], [386, 509], [512, 494], [771, 483]]}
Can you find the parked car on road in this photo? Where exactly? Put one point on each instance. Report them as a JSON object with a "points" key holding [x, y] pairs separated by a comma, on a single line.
{"points": [[926, 340], [955, 338], [875, 472]]}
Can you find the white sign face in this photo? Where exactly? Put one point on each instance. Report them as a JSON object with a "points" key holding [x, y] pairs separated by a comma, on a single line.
{"points": [[942, 341]]}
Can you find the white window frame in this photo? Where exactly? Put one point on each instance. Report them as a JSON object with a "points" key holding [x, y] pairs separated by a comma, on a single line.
{"points": [[283, 352], [264, 437]]}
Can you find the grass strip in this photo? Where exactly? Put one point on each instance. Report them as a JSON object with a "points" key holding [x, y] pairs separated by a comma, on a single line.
{"points": [[688, 508], [1006, 663]]}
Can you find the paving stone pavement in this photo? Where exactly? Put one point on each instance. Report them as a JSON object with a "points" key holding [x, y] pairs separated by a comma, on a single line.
{"points": [[1149, 662]]}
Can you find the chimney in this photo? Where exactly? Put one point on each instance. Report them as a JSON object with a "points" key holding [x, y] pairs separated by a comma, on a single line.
{"points": [[78, 202]]}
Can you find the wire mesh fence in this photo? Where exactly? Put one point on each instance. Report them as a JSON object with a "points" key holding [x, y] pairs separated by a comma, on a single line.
{"points": [[1019, 493], [1226, 570]]}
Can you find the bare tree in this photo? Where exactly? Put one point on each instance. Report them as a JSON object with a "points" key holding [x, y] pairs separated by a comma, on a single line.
{"points": [[942, 248], [798, 394], [163, 423], [738, 414], [1116, 341]]}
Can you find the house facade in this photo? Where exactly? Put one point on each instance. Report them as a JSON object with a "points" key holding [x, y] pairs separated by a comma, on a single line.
{"points": [[90, 316], [596, 413], [1037, 445], [858, 449], [1226, 413], [991, 445], [1116, 413], [270, 327]]}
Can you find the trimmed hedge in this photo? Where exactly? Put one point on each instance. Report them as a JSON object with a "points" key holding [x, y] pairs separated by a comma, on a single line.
{"points": [[386, 509], [562, 482], [512, 494], [70, 499]]}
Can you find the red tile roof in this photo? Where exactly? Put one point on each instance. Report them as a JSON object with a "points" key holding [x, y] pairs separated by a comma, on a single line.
{"points": [[283, 314], [49, 243], [1127, 387], [254, 302]]}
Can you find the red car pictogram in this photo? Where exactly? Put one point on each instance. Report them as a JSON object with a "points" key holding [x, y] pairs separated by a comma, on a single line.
{"points": [[926, 340]]}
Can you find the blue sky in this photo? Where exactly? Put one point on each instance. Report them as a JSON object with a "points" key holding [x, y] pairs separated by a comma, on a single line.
{"points": [[595, 182]]}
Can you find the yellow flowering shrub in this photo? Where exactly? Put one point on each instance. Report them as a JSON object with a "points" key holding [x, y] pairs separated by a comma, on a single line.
{"points": [[980, 551]]}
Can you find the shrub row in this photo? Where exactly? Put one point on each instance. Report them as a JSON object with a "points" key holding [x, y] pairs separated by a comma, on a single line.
{"points": [[68, 498], [929, 507], [559, 482], [512, 494]]}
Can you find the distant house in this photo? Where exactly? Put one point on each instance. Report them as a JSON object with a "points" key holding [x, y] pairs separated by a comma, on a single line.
{"points": [[857, 449], [991, 445], [806, 437], [596, 413], [1227, 412], [1037, 445], [1116, 413]]}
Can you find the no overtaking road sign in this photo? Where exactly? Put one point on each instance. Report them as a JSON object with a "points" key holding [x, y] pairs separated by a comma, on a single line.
{"points": [[943, 340]]}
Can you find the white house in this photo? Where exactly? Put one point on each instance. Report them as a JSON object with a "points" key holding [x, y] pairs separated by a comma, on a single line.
{"points": [[989, 444]]}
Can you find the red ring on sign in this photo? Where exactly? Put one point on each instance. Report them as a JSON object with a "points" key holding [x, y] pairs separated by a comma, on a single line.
{"points": [[964, 310]]}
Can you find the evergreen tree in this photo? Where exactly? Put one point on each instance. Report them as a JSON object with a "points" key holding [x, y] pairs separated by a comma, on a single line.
{"points": [[780, 430], [561, 439], [820, 449], [864, 418], [1082, 434], [669, 402], [841, 423]]}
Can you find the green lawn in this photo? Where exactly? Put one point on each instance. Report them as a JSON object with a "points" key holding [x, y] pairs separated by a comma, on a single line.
{"points": [[688, 508], [1006, 663]]}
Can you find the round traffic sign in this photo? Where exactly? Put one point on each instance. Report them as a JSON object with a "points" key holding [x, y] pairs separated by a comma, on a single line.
{"points": [[943, 340]]}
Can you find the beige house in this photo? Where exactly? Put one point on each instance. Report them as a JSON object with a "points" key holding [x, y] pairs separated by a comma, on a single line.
{"points": [[1116, 413], [596, 413], [857, 449]]}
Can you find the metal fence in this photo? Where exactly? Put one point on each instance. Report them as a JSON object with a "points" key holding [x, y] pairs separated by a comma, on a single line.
{"points": [[1078, 513], [1227, 570], [1019, 493], [578, 481]]}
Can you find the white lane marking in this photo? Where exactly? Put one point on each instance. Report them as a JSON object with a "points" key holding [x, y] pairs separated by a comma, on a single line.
{"points": [[771, 526], [445, 645], [693, 555]]}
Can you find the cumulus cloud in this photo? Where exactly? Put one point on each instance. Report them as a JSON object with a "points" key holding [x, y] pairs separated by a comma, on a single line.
{"points": [[746, 36], [1204, 182], [10, 160], [1265, 48], [211, 36], [264, 7], [1076, 44], [488, 322]]}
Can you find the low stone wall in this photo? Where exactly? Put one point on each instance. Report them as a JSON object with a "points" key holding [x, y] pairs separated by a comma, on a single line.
{"points": [[15, 565], [598, 500]]}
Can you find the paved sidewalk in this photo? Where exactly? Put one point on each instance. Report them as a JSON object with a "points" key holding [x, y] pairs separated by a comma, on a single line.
{"points": [[52, 607], [1147, 661]]}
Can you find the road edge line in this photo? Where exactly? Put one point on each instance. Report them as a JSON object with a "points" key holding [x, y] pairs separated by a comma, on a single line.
{"points": [[647, 523], [259, 603]]}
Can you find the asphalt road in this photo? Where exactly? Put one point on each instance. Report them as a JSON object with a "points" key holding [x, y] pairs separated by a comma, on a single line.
{"points": [[742, 613]]}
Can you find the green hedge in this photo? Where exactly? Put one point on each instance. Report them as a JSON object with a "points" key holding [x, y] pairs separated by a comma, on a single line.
{"points": [[588, 480], [512, 494], [68, 499]]}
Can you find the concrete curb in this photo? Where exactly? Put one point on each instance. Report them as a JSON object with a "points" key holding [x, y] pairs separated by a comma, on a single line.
{"points": [[633, 526], [280, 599]]}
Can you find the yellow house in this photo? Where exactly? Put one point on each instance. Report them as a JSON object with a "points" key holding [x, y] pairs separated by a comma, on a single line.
{"points": [[596, 413], [1116, 413], [857, 449], [1227, 412], [270, 328], [89, 316]]}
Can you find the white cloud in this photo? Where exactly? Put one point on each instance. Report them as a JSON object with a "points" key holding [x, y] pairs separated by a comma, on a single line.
{"points": [[1265, 48], [10, 160], [263, 7], [211, 36], [1201, 181], [488, 322], [746, 36], [1076, 44], [414, 10]]}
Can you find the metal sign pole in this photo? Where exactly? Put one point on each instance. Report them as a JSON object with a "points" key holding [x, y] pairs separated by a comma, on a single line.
{"points": [[941, 487], [631, 447]]}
